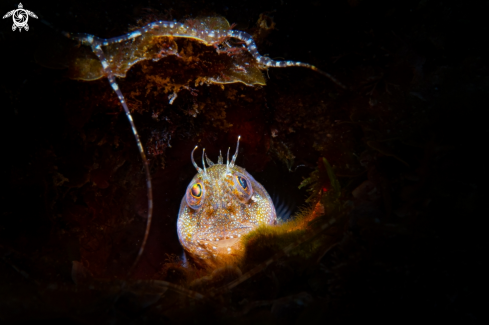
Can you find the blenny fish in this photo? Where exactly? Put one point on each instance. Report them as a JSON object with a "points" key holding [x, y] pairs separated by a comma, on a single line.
{"points": [[222, 203]]}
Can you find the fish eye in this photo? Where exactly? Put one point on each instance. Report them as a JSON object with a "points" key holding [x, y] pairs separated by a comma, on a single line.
{"points": [[242, 187], [196, 190], [243, 182], [195, 194]]}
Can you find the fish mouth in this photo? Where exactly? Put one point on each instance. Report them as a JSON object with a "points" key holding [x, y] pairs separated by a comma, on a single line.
{"points": [[228, 244]]}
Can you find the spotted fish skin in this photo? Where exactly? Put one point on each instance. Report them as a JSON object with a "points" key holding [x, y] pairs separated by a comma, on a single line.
{"points": [[224, 214]]}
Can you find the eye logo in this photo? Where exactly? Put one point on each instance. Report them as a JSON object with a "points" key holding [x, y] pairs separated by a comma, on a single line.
{"points": [[20, 17]]}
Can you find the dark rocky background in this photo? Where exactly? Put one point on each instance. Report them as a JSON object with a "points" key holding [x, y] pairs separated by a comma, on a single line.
{"points": [[406, 140]]}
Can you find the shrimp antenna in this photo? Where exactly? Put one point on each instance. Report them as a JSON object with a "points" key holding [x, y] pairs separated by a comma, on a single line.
{"points": [[193, 161], [236, 153]]}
